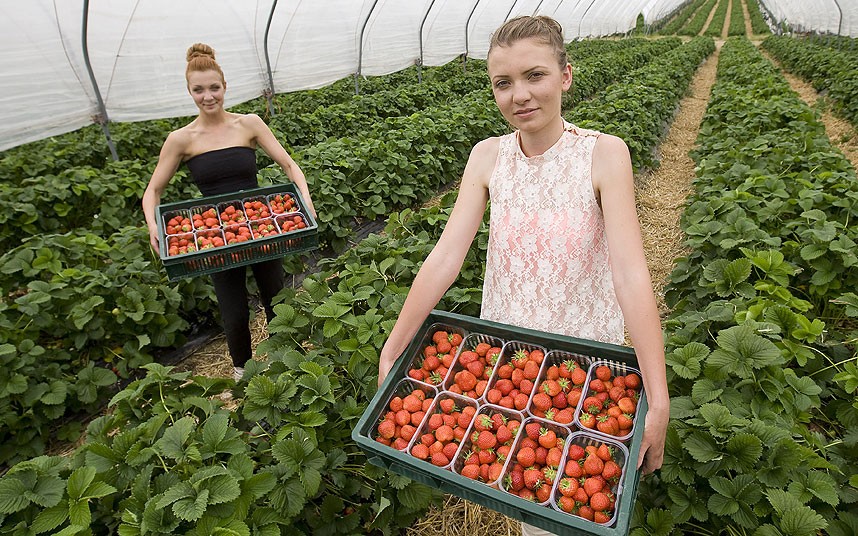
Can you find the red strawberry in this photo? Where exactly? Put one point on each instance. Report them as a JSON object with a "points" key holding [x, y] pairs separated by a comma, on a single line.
{"points": [[526, 456]]}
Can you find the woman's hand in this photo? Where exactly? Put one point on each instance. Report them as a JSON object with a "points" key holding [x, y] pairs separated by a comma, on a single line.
{"points": [[652, 447], [153, 239], [385, 362]]}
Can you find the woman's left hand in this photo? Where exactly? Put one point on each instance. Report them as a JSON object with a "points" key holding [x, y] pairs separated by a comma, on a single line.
{"points": [[652, 447]]}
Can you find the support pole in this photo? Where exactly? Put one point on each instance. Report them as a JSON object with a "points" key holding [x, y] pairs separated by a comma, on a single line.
{"points": [[360, 47], [584, 15], [467, 23], [100, 118], [508, 13], [269, 91], [420, 65], [840, 21]]}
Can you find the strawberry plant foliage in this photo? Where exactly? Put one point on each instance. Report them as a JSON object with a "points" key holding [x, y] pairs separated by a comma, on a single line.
{"points": [[758, 355]]}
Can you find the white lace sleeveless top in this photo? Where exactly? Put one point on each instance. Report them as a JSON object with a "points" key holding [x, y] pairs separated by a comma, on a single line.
{"points": [[547, 264]]}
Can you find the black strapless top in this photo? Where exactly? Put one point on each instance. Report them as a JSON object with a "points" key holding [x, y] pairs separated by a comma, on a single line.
{"points": [[224, 170]]}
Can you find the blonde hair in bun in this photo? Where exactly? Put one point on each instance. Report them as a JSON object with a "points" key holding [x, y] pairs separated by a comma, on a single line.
{"points": [[201, 57]]}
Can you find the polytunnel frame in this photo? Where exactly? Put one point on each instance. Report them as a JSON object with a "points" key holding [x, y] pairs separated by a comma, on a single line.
{"points": [[269, 92], [420, 61], [101, 118], [360, 47], [467, 49]]}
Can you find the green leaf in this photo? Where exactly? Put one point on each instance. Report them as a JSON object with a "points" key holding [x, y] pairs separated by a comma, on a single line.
{"points": [[50, 518], [79, 480], [686, 361], [192, 508], [721, 422], [745, 450], [79, 513], [330, 310], [660, 522], [735, 498], [705, 390], [223, 488], [802, 521], [172, 443], [415, 496], [12, 495], [686, 503], [740, 351], [702, 447], [47, 492]]}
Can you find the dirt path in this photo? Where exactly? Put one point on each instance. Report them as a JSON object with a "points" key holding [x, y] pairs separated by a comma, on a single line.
{"points": [[662, 193], [841, 133], [709, 19], [725, 30]]}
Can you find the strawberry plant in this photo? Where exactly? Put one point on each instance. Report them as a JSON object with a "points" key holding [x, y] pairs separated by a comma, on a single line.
{"points": [[758, 364], [831, 70]]}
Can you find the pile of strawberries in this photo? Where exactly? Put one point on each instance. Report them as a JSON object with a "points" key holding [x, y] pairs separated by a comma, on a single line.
{"points": [[513, 383], [178, 224], [610, 402], [489, 445], [437, 358], [443, 431], [282, 203], [262, 228], [292, 222], [208, 239], [232, 214], [532, 472], [237, 233], [400, 422], [206, 219], [589, 476], [179, 244], [558, 393], [256, 210], [472, 370]]}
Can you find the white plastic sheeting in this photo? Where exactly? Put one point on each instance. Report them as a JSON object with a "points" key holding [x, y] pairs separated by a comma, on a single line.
{"points": [[815, 16], [137, 47]]}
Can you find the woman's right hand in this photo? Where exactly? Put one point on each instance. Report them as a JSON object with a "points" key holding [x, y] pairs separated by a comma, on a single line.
{"points": [[153, 240], [386, 361]]}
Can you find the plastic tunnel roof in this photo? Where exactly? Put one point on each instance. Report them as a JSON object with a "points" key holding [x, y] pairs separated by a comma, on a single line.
{"points": [[136, 49], [815, 16]]}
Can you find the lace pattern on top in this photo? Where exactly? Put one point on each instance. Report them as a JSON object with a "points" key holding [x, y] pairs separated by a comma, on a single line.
{"points": [[547, 264]]}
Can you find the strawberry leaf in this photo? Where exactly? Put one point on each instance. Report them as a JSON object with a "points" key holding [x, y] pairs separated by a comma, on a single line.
{"points": [[686, 361], [801, 521], [740, 351]]}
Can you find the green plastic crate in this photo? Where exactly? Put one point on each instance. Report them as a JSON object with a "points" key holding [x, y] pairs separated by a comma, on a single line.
{"points": [[209, 261], [450, 482]]}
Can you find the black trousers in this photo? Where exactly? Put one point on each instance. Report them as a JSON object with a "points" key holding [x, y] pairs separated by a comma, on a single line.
{"points": [[233, 301]]}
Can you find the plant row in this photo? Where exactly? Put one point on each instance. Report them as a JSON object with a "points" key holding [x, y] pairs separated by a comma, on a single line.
{"points": [[142, 140], [758, 24], [737, 19], [695, 25], [168, 459], [679, 20], [716, 25], [639, 108], [832, 70], [761, 371], [55, 276]]}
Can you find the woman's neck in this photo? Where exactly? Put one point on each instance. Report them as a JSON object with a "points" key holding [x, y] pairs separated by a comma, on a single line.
{"points": [[536, 143]]}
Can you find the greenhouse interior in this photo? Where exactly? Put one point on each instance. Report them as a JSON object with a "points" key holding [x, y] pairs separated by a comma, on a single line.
{"points": [[515, 267]]}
